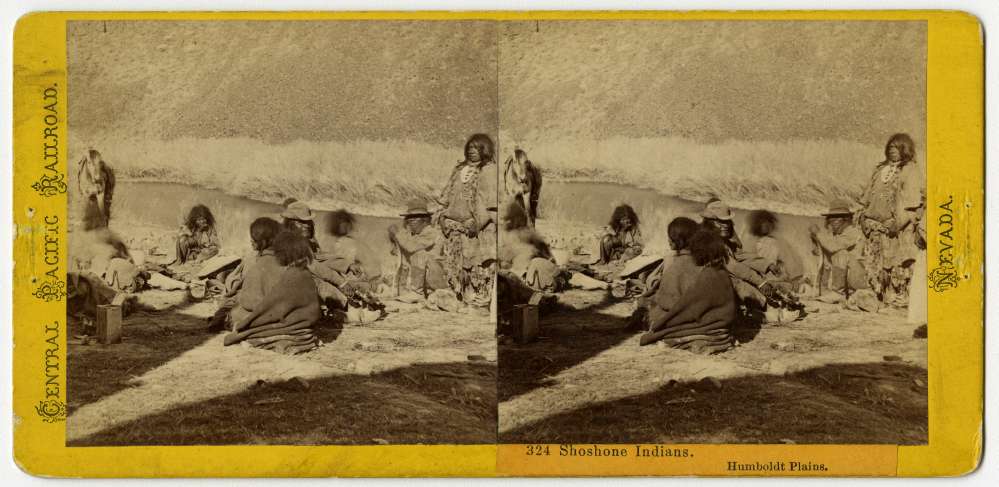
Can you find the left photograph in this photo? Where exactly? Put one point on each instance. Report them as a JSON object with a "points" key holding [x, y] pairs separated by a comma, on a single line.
{"points": [[282, 232]]}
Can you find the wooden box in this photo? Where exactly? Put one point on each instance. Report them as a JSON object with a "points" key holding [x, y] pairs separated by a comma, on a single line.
{"points": [[109, 324], [525, 318]]}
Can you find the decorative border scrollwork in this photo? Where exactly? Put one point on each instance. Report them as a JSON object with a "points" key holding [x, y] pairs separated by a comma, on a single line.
{"points": [[51, 410], [943, 279], [50, 185], [50, 291]]}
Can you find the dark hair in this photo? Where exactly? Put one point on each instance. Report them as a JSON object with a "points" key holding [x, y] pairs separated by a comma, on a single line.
{"points": [[289, 224], [906, 147], [263, 230], [708, 249], [620, 212], [199, 211], [762, 223], [336, 219], [291, 248], [94, 157], [680, 230], [485, 145]]}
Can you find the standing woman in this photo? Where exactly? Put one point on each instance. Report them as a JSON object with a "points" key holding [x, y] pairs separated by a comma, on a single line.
{"points": [[467, 218], [95, 181], [890, 208]]}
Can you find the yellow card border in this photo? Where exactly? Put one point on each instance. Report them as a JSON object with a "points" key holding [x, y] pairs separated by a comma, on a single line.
{"points": [[955, 172]]}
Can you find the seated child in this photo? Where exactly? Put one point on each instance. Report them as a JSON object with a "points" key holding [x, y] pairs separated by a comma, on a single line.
{"points": [[778, 261], [694, 305], [284, 318], [350, 256], [244, 286]]}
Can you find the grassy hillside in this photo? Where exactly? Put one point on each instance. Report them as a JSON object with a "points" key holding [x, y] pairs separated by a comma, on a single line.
{"points": [[374, 178], [785, 115], [796, 176], [362, 115], [368, 114], [431, 82], [713, 81]]}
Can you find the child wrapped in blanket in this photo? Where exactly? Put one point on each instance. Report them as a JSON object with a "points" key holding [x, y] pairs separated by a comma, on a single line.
{"points": [[284, 319], [245, 285], [693, 306]]}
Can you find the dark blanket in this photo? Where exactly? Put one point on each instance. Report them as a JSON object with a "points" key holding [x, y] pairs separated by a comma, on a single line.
{"points": [[284, 319], [694, 308]]}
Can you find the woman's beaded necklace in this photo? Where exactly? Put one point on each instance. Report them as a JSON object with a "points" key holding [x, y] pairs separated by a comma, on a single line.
{"points": [[889, 172]]}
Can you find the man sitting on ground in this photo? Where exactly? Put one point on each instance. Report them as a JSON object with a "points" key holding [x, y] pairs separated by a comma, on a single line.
{"points": [[747, 270], [418, 244], [750, 285], [839, 245]]}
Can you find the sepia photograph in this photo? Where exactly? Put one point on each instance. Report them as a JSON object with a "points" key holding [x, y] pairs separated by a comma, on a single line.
{"points": [[282, 232], [377, 232], [498, 243], [712, 232]]}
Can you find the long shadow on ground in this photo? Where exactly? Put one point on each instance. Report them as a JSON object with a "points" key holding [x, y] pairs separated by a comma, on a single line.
{"points": [[149, 339], [883, 403], [449, 403], [572, 335]]}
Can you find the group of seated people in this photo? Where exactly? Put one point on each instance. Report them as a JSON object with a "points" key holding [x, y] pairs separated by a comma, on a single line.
{"points": [[712, 282], [345, 279], [274, 297], [696, 297], [271, 298]]}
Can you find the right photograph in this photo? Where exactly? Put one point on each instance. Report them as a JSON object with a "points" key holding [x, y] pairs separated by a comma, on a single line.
{"points": [[712, 232]]}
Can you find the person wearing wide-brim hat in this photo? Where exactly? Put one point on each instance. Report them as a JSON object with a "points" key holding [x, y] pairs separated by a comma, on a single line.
{"points": [[718, 216], [332, 285], [839, 208], [418, 245], [296, 210], [298, 217], [416, 207], [839, 246], [746, 271]]}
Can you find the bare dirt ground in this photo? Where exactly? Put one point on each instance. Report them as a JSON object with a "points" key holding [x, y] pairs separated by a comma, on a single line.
{"points": [[416, 376], [837, 376]]}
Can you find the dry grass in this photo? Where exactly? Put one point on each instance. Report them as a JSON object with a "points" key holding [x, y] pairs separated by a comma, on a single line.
{"points": [[796, 176], [376, 176]]}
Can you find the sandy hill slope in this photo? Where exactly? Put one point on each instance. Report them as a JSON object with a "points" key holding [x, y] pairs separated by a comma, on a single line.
{"points": [[713, 81], [432, 82]]}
